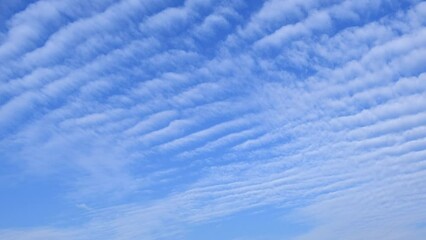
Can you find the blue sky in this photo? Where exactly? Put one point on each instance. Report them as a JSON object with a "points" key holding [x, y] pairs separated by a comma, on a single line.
{"points": [[202, 119]]}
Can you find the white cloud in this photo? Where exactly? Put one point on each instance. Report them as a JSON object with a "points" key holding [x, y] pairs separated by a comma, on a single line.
{"points": [[329, 124]]}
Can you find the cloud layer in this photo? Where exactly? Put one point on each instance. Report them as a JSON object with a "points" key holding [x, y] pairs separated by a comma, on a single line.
{"points": [[155, 118]]}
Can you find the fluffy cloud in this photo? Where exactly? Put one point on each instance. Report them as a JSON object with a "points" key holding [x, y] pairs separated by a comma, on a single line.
{"points": [[160, 117]]}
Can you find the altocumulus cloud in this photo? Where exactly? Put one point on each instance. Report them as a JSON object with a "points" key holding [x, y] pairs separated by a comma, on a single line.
{"points": [[139, 119]]}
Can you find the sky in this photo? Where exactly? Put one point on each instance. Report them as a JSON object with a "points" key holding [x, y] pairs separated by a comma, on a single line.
{"points": [[212, 119]]}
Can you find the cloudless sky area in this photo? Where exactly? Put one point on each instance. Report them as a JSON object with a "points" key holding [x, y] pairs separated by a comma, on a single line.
{"points": [[212, 119]]}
